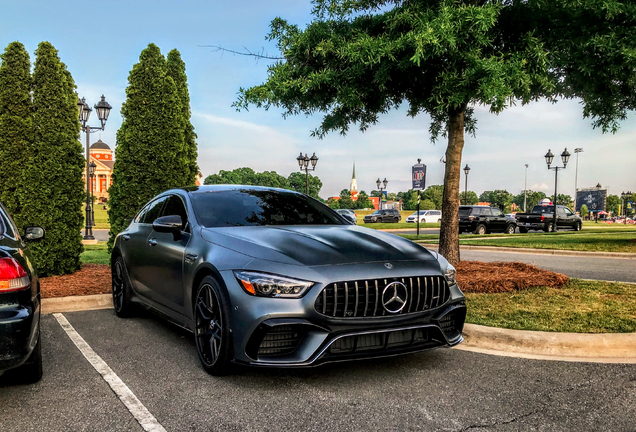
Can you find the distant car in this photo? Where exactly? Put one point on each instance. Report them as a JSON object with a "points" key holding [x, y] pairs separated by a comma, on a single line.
{"points": [[484, 220], [349, 215], [20, 345], [425, 216], [384, 216], [512, 217]]}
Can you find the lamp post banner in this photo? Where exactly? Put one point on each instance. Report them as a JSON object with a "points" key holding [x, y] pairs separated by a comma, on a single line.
{"points": [[419, 177]]}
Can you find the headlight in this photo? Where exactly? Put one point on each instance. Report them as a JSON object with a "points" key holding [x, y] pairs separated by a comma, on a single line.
{"points": [[268, 285], [450, 275]]}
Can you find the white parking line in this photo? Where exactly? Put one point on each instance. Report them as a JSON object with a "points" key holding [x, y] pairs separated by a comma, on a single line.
{"points": [[147, 421]]}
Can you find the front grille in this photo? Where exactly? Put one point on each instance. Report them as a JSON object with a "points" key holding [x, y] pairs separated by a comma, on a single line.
{"points": [[453, 322], [363, 298], [379, 341], [280, 340]]}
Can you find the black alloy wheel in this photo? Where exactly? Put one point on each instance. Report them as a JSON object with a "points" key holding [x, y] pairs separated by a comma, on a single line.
{"points": [[510, 229], [481, 229], [212, 328], [121, 290]]}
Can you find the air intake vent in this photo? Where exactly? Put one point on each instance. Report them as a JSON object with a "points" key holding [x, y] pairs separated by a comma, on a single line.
{"points": [[280, 340]]}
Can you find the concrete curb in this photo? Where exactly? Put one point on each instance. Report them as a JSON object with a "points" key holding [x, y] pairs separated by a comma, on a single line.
{"points": [[76, 303], [578, 347], [559, 252]]}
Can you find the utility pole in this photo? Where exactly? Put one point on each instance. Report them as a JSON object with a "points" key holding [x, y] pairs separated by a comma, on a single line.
{"points": [[525, 191], [576, 174]]}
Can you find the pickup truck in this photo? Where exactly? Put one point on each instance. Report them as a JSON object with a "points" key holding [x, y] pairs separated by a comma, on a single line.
{"points": [[542, 217]]}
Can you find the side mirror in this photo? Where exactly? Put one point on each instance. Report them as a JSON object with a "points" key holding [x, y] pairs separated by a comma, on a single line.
{"points": [[168, 224], [33, 233]]}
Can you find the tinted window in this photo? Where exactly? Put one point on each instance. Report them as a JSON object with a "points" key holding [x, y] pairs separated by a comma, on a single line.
{"points": [[568, 212], [7, 227], [153, 211], [174, 206], [465, 211], [485, 212], [496, 212], [259, 207], [561, 211], [377, 212], [436, 213]]}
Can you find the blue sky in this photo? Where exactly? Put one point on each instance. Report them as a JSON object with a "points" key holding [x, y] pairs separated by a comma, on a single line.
{"points": [[100, 42]]}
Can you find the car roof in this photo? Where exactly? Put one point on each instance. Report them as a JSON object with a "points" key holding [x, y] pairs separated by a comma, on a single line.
{"points": [[229, 187]]}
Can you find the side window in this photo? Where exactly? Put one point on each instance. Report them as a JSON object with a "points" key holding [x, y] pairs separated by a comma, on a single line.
{"points": [[436, 213], [568, 212], [7, 228], [175, 206], [560, 211], [496, 212], [486, 212], [140, 215], [153, 211]]}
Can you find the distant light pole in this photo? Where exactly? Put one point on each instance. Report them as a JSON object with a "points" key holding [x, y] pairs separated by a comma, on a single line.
{"points": [[466, 171], [525, 191], [91, 169], [380, 188], [565, 157], [103, 109], [303, 163], [576, 174], [625, 196]]}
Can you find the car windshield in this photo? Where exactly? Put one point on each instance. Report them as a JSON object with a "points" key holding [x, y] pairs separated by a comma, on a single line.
{"points": [[242, 207], [377, 212]]}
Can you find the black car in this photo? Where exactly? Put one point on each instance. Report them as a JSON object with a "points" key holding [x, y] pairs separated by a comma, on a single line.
{"points": [[542, 218], [484, 219], [385, 215], [271, 277], [20, 346]]}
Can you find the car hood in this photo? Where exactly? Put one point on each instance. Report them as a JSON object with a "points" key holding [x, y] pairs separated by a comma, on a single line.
{"points": [[312, 245]]}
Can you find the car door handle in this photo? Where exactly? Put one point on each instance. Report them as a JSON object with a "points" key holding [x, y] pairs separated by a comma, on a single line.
{"points": [[191, 257], [152, 242], [126, 237]]}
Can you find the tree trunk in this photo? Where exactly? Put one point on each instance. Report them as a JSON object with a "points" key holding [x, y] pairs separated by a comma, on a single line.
{"points": [[449, 233]]}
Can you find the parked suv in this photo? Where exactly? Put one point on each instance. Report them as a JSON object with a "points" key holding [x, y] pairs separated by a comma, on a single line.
{"points": [[20, 347], [425, 216], [484, 220], [385, 215]]}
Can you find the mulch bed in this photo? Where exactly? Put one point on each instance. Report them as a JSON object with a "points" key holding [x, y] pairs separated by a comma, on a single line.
{"points": [[499, 277], [91, 279], [473, 277]]}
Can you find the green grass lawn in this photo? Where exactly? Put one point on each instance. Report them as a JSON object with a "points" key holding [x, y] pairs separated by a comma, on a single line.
{"points": [[95, 254], [579, 307], [101, 218]]}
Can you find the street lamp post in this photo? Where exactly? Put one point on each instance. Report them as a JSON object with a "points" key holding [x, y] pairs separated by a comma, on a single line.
{"points": [[565, 157], [91, 169], [525, 191], [303, 163], [103, 110], [576, 174], [466, 171], [625, 196], [380, 188]]}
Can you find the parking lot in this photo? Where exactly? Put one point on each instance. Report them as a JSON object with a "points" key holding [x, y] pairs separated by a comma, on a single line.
{"points": [[450, 390]]}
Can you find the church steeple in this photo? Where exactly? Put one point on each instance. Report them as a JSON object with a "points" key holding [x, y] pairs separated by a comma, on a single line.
{"points": [[354, 184]]}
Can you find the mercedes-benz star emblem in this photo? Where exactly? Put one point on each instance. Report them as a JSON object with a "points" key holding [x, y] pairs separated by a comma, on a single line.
{"points": [[394, 297], [388, 265]]}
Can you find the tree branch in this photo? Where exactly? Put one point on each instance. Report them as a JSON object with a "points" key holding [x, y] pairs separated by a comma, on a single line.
{"points": [[259, 55]]}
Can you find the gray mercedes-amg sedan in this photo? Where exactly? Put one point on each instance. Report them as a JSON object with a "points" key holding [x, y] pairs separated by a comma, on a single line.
{"points": [[271, 277]]}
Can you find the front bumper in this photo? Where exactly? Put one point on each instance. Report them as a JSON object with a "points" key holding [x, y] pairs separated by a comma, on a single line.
{"points": [[290, 333], [19, 327]]}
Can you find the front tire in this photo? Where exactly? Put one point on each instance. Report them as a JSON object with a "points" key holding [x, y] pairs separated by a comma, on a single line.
{"points": [[510, 229], [577, 227], [523, 230], [121, 289], [548, 227], [212, 327]]}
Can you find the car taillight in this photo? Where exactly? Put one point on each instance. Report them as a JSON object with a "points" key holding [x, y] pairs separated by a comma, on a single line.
{"points": [[542, 218], [12, 276]]}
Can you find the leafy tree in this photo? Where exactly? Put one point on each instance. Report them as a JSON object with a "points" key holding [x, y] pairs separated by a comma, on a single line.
{"points": [[562, 199], [149, 157], [359, 59], [16, 128], [247, 176], [434, 193], [485, 196], [409, 199], [392, 196], [584, 211], [175, 68], [333, 203], [375, 193], [532, 199], [363, 201], [469, 198], [53, 178], [345, 200], [214, 179], [501, 199], [297, 182], [613, 203], [427, 205]]}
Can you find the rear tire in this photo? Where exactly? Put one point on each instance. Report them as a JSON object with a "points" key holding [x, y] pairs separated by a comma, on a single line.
{"points": [[31, 371], [121, 289], [481, 229], [523, 230], [548, 227], [510, 229]]}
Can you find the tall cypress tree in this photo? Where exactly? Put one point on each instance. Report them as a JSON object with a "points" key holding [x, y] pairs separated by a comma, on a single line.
{"points": [[16, 127], [149, 141], [54, 175], [175, 68]]}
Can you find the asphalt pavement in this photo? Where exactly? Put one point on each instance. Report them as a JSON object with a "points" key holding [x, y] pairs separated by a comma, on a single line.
{"points": [[442, 390]]}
